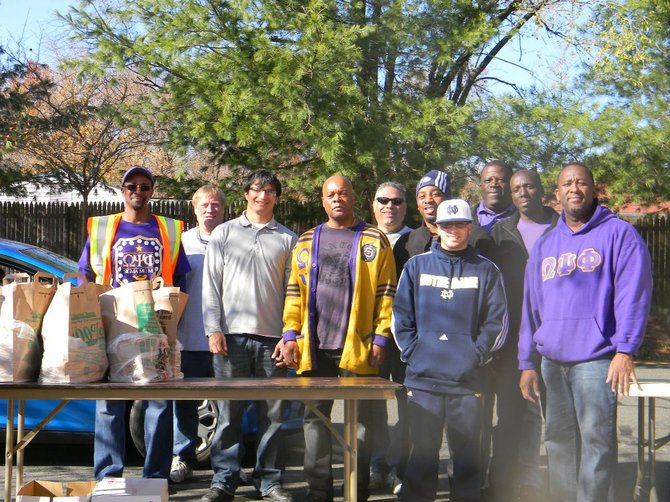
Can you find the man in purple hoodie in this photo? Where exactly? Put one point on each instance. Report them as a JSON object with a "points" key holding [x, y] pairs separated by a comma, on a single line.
{"points": [[587, 295]]}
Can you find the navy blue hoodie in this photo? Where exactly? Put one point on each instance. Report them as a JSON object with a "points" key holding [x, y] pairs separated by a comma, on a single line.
{"points": [[449, 314]]}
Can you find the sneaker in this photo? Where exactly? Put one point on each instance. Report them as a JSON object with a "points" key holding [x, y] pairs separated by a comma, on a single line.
{"points": [[278, 494], [396, 485], [377, 481], [217, 495], [179, 470]]}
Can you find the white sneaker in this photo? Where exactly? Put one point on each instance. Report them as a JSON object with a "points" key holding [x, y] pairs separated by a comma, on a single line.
{"points": [[395, 484], [179, 470]]}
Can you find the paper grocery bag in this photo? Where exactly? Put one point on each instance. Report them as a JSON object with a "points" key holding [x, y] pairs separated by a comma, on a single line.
{"points": [[73, 335], [21, 314], [169, 305], [137, 349]]}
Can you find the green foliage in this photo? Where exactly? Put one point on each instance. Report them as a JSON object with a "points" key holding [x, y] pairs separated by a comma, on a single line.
{"points": [[631, 68], [373, 89]]}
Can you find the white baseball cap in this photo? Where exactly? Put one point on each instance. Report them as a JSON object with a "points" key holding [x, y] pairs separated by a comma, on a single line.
{"points": [[454, 210]]}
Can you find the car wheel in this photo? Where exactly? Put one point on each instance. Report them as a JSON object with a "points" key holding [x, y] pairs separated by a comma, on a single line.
{"points": [[208, 415]]}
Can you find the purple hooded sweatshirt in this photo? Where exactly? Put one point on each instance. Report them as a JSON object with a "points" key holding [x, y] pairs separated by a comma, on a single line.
{"points": [[587, 294]]}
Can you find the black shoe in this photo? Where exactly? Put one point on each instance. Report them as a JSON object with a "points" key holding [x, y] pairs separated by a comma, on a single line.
{"points": [[278, 494], [217, 495]]}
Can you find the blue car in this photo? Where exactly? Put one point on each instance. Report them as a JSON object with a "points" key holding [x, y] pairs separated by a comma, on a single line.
{"points": [[76, 419], [75, 422]]}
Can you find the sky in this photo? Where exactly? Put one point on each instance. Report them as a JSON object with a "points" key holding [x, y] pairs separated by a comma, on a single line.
{"points": [[31, 22]]}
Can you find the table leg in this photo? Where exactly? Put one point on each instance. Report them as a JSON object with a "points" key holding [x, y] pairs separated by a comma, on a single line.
{"points": [[653, 496], [20, 454], [637, 493], [9, 450], [350, 450]]}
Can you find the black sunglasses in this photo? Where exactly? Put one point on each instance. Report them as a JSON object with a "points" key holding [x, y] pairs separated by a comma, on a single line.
{"points": [[396, 201], [132, 187]]}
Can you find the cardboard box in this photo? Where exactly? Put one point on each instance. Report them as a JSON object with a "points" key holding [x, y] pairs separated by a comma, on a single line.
{"points": [[130, 490], [56, 491]]}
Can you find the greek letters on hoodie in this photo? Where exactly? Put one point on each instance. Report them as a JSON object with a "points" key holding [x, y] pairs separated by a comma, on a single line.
{"points": [[449, 313], [587, 294]]}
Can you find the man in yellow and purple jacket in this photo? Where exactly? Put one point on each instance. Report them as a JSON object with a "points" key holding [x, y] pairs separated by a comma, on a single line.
{"points": [[337, 317]]}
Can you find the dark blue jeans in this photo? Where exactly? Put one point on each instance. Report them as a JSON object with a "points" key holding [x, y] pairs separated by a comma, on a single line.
{"points": [[248, 356], [318, 441], [194, 364], [517, 437]]}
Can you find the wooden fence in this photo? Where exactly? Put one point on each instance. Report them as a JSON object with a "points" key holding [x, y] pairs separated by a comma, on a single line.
{"points": [[656, 232], [59, 228]]}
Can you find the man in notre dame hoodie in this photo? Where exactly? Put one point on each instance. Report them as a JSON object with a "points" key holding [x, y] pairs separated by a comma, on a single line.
{"points": [[449, 314]]}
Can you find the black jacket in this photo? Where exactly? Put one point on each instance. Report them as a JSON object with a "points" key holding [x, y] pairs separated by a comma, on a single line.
{"points": [[510, 254]]}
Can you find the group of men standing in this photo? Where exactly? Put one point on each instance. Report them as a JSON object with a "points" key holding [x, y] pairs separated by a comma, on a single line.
{"points": [[466, 310]]}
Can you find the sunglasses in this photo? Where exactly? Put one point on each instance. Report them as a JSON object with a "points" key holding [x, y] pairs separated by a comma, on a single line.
{"points": [[133, 187], [457, 224], [396, 201]]}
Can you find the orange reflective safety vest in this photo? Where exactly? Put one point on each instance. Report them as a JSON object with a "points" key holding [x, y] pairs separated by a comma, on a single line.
{"points": [[102, 229]]}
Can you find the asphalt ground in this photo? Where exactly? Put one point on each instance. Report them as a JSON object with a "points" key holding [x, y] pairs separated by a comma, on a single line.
{"points": [[73, 462]]}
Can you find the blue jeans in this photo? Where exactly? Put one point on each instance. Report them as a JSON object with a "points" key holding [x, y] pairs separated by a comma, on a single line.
{"points": [[194, 364], [428, 414], [580, 433], [109, 446], [248, 356]]}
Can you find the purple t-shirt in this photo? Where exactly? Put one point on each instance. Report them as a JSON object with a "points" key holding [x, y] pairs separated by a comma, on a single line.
{"points": [[488, 218], [137, 254], [333, 289], [531, 232]]}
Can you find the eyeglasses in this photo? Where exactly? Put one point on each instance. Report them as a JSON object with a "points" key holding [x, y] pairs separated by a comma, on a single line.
{"points": [[396, 201], [457, 224], [133, 187], [269, 193]]}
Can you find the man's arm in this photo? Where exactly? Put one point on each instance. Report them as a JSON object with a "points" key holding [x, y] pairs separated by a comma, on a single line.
{"points": [[530, 318], [493, 321], [632, 302], [84, 264], [212, 293], [404, 314], [292, 317]]}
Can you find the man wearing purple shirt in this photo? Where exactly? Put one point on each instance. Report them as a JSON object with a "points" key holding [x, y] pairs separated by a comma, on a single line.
{"points": [[587, 295], [126, 247], [496, 204]]}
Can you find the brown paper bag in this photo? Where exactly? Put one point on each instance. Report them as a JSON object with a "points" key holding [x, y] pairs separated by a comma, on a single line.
{"points": [[137, 349], [73, 335], [21, 314], [169, 305]]}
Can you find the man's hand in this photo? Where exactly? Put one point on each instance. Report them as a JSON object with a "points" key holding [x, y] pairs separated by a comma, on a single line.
{"points": [[530, 386], [217, 344], [621, 373], [290, 354], [377, 355], [277, 354]]}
